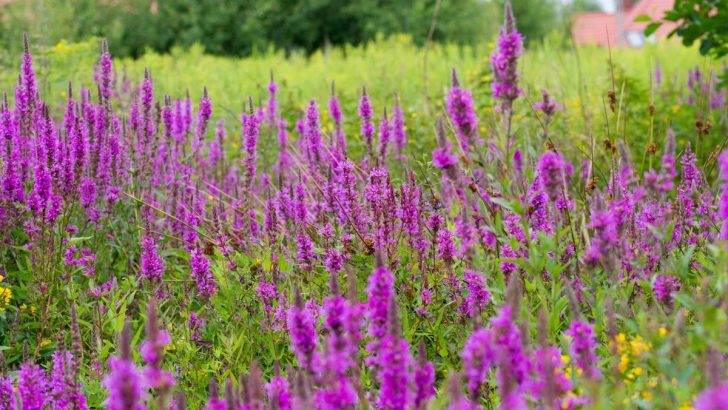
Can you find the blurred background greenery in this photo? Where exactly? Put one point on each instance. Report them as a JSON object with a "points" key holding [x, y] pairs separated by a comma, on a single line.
{"points": [[244, 27]]}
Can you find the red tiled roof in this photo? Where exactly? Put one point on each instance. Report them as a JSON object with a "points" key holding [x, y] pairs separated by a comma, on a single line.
{"points": [[592, 27]]}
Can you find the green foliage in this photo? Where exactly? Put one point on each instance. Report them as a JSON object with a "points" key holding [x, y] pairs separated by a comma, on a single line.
{"points": [[699, 20]]}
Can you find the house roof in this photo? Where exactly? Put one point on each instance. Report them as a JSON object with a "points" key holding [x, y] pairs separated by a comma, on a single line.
{"points": [[603, 28]]}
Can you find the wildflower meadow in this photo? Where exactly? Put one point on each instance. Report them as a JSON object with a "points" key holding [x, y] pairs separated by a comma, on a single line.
{"points": [[471, 232]]}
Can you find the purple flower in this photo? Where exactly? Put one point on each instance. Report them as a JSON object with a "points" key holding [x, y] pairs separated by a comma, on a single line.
{"points": [[302, 329], [151, 265], [582, 349], [664, 286], [441, 156], [250, 143], [504, 61], [305, 249], [33, 387], [365, 113], [713, 398], [510, 356], [552, 170], [547, 105], [381, 292], [7, 394], [200, 266], [478, 357], [478, 295], [152, 352], [385, 135], [314, 146], [394, 373], [278, 392], [124, 381], [87, 191], [424, 379], [65, 389], [105, 68], [399, 132], [549, 384], [462, 114]]}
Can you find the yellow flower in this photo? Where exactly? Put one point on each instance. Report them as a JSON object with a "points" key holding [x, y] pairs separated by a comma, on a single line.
{"points": [[639, 346], [565, 359], [210, 197], [623, 363], [675, 108], [662, 331], [686, 406], [1, 278], [5, 295], [647, 395], [44, 342]]}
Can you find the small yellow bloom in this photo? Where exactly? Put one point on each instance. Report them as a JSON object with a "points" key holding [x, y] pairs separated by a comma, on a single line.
{"points": [[686, 406], [44, 342], [639, 346], [675, 108], [623, 363], [637, 371], [565, 359], [210, 197], [647, 395], [662, 331]]}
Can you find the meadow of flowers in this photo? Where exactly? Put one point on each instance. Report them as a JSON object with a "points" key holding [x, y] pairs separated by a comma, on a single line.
{"points": [[155, 255]]}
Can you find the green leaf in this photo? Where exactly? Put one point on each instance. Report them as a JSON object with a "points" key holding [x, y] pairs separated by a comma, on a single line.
{"points": [[651, 28], [642, 19]]}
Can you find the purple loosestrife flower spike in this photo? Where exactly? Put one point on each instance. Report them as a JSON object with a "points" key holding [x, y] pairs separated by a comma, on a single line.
{"points": [[200, 266], [381, 292], [152, 352], [547, 105], [478, 357], [7, 394], [33, 387], [664, 287], [713, 398], [462, 114], [365, 114], [124, 381], [582, 349], [313, 134], [105, 68], [551, 173], [441, 156], [302, 329], [723, 198], [203, 119], [478, 294], [504, 61], [65, 389], [250, 143], [151, 265], [272, 107], [385, 135], [336, 116], [424, 379], [399, 130], [395, 366]]}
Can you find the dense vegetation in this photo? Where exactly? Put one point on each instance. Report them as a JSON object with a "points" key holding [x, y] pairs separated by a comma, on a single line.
{"points": [[546, 229], [240, 27]]}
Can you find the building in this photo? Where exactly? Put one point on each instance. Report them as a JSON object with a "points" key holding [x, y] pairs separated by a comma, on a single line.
{"points": [[620, 28]]}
